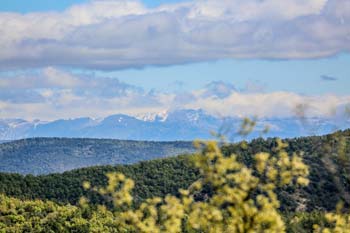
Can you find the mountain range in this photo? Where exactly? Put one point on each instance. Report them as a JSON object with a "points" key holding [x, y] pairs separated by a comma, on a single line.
{"points": [[183, 124]]}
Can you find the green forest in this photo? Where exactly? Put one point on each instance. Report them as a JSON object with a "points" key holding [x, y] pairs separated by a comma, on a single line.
{"points": [[53, 155], [301, 207]]}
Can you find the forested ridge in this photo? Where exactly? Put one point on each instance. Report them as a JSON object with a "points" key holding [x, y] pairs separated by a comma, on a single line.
{"points": [[53, 155], [163, 176], [261, 186]]}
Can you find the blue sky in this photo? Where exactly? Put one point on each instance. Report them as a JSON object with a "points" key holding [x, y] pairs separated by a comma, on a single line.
{"points": [[36, 5], [149, 58], [58, 5], [287, 75]]}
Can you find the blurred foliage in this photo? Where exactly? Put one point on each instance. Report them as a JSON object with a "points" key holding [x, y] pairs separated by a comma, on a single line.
{"points": [[240, 201], [329, 175], [261, 186]]}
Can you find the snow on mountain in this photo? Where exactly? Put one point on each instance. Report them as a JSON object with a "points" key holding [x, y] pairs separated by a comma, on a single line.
{"points": [[15, 128], [155, 116], [185, 124]]}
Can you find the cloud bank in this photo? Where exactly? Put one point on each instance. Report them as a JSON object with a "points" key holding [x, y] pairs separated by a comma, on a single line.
{"points": [[118, 34], [55, 93]]}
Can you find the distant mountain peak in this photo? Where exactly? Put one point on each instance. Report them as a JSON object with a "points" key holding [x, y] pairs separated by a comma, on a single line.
{"points": [[166, 125], [153, 116], [189, 115]]}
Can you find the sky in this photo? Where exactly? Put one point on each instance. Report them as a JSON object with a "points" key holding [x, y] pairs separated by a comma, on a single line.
{"points": [[29, 6], [76, 58]]}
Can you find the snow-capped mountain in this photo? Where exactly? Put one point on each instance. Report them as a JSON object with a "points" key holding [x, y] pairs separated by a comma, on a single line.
{"points": [[15, 128], [164, 126], [158, 116]]}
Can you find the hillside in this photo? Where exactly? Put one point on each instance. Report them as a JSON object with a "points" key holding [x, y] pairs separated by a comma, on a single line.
{"points": [[53, 155], [153, 178], [163, 176]]}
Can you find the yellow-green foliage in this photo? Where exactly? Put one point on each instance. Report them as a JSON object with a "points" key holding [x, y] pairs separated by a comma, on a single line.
{"points": [[38, 216], [243, 200], [340, 222]]}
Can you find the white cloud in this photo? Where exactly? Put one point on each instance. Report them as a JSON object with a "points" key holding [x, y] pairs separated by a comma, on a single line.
{"points": [[244, 10], [114, 34], [55, 85], [218, 89], [58, 78], [273, 104], [46, 96]]}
